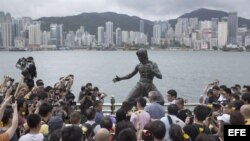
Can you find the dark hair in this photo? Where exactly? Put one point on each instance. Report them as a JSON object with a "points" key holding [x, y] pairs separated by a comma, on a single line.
{"points": [[33, 121], [20, 103], [247, 87], [223, 87], [88, 84], [55, 135], [83, 88], [210, 91], [201, 112], [216, 88], [127, 135], [237, 86], [72, 133], [90, 113], [42, 95], [146, 134], [237, 104], [173, 109], [182, 102], [183, 114], [48, 88], [120, 115], [228, 91], [95, 89], [175, 133], [123, 125], [45, 109], [158, 129], [39, 82], [172, 92], [236, 118], [246, 97], [142, 101], [75, 117], [106, 122], [8, 114], [204, 137]]}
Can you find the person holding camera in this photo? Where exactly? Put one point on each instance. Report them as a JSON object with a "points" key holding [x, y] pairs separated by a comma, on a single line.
{"points": [[87, 99], [9, 133]]}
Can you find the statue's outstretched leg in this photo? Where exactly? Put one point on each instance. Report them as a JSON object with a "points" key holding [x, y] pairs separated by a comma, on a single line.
{"points": [[135, 93]]}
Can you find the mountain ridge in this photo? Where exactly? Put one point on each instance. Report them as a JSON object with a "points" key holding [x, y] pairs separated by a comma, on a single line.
{"points": [[92, 20]]}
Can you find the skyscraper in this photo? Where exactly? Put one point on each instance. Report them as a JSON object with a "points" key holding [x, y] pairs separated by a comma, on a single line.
{"points": [[118, 38], [7, 34], [109, 33], [61, 39], [56, 34], [100, 35], [232, 28], [222, 34], [141, 26], [35, 35]]}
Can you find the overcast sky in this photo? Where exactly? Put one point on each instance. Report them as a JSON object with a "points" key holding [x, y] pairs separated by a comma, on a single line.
{"points": [[147, 9]]}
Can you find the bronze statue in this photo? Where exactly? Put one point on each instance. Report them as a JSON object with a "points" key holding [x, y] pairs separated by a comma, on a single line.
{"points": [[148, 70]]}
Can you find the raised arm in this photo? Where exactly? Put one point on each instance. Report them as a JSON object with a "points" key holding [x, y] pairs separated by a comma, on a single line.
{"points": [[156, 71], [127, 76]]}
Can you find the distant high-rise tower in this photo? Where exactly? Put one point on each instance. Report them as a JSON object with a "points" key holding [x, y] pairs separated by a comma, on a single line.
{"points": [[118, 38], [35, 35], [232, 28], [61, 39], [56, 34], [7, 34], [100, 35], [222, 34], [109, 33], [141, 26]]}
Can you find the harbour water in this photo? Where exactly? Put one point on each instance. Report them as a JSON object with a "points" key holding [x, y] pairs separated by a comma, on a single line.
{"points": [[188, 72]]}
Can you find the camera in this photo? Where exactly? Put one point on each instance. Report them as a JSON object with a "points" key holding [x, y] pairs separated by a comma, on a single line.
{"points": [[28, 68]]}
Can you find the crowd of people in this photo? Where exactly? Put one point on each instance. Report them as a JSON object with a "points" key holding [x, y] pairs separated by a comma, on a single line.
{"points": [[51, 113]]}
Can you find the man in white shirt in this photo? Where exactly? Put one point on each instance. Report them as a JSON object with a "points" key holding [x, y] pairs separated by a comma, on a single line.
{"points": [[34, 123]]}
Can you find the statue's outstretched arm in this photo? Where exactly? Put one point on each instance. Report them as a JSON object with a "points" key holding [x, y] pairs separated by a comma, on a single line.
{"points": [[157, 71], [117, 78]]}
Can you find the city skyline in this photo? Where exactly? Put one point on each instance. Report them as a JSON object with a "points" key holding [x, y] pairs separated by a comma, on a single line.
{"points": [[146, 9]]}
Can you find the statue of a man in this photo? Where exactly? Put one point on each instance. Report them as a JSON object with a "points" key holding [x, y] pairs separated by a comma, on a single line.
{"points": [[148, 70]]}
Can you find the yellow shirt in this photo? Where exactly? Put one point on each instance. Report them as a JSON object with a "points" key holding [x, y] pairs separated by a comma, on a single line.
{"points": [[44, 129], [247, 122]]}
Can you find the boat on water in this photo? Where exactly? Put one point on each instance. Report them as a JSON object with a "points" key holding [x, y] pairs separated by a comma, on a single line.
{"points": [[17, 49]]}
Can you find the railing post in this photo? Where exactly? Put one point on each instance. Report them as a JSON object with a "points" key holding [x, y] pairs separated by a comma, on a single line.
{"points": [[112, 107]]}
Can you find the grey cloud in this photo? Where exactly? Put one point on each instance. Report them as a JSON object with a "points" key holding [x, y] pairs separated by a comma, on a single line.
{"points": [[148, 9]]}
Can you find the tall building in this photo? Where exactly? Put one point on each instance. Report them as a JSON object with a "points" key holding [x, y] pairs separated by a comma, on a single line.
{"points": [[156, 33], [125, 37], [141, 26], [232, 28], [109, 33], [118, 38], [35, 35], [56, 34], [7, 36], [100, 35], [222, 34], [18, 27], [61, 39]]}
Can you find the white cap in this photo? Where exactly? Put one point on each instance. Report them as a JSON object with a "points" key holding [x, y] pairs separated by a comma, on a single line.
{"points": [[225, 118]]}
